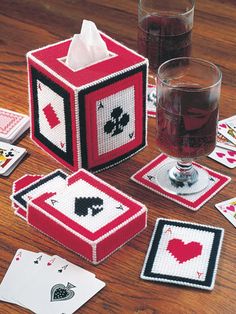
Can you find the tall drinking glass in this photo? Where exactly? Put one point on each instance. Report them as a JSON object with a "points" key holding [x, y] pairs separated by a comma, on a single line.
{"points": [[164, 31], [187, 115]]}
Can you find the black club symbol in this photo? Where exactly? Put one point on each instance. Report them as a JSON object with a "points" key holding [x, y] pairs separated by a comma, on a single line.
{"points": [[117, 122]]}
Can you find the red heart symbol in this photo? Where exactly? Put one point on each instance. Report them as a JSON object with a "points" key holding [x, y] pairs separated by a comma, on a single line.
{"points": [[62, 144], [184, 252], [230, 207], [221, 155], [231, 160], [223, 126], [231, 153]]}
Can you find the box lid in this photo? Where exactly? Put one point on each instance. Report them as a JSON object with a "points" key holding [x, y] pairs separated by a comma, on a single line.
{"points": [[88, 207], [52, 57]]}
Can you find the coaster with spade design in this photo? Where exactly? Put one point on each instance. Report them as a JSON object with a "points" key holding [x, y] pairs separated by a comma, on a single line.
{"points": [[89, 216], [146, 177], [183, 253]]}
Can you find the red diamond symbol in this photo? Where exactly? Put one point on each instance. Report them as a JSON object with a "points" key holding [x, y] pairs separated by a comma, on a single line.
{"points": [[51, 116]]}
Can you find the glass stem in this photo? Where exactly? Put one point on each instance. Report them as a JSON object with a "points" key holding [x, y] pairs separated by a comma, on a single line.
{"points": [[183, 172]]}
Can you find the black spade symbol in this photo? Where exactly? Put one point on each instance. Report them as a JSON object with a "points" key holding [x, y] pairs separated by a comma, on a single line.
{"points": [[60, 292], [83, 204]]}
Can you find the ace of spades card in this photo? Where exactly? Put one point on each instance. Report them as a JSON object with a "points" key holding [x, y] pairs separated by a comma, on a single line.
{"points": [[58, 285]]}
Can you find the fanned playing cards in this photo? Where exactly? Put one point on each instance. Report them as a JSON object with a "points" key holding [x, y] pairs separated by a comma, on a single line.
{"points": [[47, 284], [225, 151], [81, 211]]}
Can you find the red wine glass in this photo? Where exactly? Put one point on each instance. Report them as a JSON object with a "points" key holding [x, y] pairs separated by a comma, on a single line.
{"points": [[164, 31], [187, 116]]}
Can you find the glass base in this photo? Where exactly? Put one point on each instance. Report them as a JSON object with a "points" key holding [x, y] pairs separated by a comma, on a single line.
{"points": [[167, 179]]}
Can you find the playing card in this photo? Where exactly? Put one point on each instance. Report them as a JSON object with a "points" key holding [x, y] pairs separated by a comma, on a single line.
{"points": [[227, 127], [151, 100], [228, 209], [22, 267], [61, 288], [222, 141], [183, 253], [12, 125], [224, 156], [10, 156], [54, 181]]}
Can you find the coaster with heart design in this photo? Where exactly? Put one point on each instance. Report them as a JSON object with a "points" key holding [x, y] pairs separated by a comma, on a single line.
{"points": [[183, 253]]}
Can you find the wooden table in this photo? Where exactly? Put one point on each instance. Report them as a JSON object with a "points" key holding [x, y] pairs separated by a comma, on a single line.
{"points": [[29, 24]]}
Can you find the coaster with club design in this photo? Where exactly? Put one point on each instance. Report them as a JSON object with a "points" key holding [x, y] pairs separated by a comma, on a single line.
{"points": [[183, 253], [146, 177]]}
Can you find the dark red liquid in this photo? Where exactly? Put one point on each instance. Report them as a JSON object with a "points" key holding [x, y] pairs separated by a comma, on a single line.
{"points": [[186, 122], [162, 38]]}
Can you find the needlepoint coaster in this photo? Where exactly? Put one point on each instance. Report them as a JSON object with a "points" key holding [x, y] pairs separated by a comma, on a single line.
{"points": [[146, 176], [183, 253]]}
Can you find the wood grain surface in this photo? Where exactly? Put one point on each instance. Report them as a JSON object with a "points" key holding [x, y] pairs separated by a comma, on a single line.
{"points": [[30, 24]]}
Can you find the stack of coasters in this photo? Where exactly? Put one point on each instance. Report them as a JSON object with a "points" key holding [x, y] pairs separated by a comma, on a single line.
{"points": [[183, 253], [12, 125], [82, 212], [92, 118], [146, 177]]}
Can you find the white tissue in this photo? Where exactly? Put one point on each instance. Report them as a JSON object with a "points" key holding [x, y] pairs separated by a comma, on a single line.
{"points": [[86, 48]]}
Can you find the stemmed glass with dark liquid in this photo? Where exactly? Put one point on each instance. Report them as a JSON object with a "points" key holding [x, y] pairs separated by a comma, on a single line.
{"points": [[187, 116], [164, 31]]}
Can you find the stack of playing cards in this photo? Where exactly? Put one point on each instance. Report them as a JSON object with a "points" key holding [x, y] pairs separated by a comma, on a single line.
{"points": [[12, 125], [47, 284], [225, 151], [10, 156], [80, 211]]}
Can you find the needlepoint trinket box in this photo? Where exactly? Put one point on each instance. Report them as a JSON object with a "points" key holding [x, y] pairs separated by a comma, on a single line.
{"points": [[88, 216], [94, 117]]}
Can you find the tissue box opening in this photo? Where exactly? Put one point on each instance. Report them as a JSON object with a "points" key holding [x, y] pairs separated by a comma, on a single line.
{"points": [[63, 61]]}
